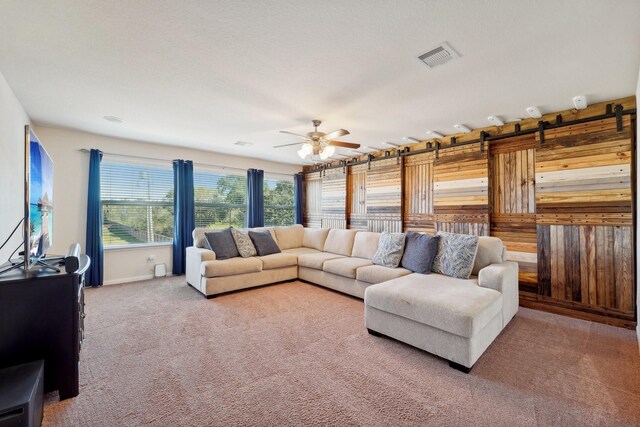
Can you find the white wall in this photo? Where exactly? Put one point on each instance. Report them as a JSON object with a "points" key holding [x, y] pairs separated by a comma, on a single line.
{"points": [[71, 171], [12, 121], [637, 220]]}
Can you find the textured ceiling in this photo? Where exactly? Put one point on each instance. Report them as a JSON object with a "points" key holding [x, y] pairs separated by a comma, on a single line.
{"points": [[206, 74]]}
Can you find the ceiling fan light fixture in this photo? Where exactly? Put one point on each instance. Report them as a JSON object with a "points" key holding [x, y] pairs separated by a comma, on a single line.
{"points": [[301, 153], [307, 148], [329, 150]]}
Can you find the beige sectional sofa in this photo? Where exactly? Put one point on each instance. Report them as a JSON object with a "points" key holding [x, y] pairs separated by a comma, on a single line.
{"points": [[456, 319]]}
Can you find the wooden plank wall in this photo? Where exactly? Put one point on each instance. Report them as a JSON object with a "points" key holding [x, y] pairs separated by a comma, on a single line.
{"points": [[358, 191], [512, 207], [313, 200], [384, 196], [585, 217], [562, 204], [334, 199], [418, 202], [461, 190]]}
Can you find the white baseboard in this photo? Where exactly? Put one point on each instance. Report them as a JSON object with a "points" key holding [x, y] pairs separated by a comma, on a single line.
{"points": [[130, 279]]}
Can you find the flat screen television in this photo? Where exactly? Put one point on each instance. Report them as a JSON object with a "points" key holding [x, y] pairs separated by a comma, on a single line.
{"points": [[38, 198]]}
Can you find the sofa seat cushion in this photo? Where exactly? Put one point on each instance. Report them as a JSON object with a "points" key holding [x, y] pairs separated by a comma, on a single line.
{"points": [[316, 260], [230, 267], [279, 260], [345, 267], [379, 274], [457, 306], [301, 251]]}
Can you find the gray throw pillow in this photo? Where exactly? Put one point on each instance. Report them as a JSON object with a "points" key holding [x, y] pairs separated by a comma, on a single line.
{"points": [[222, 243], [264, 243], [243, 243], [390, 248], [419, 252], [456, 254]]}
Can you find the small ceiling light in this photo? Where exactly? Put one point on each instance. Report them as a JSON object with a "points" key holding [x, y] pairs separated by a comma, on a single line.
{"points": [[435, 134], [410, 138], [390, 144], [462, 128], [534, 112], [580, 102], [495, 120], [113, 119]]}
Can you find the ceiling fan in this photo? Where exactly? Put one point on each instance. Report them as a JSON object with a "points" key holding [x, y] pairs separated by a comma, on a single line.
{"points": [[319, 143]]}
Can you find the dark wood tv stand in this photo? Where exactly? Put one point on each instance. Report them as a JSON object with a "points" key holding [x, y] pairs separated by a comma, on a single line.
{"points": [[42, 317]]}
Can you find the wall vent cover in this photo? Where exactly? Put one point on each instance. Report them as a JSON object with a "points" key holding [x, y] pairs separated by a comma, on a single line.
{"points": [[439, 55]]}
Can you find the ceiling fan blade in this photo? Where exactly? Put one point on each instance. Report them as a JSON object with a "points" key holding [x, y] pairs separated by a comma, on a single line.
{"points": [[291, 133], [287, 145], [336, 134], [344, 144]]}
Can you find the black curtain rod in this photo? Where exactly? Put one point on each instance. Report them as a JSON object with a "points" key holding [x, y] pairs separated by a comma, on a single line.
{"points": [[545, 126]]}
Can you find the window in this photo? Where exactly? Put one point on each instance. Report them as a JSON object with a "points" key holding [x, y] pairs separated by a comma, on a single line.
{"points": [[137, 203], [278, 200], [220, 198]]}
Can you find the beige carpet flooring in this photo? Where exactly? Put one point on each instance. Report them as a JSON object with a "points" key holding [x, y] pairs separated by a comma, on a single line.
{"points": [[158, 353]]}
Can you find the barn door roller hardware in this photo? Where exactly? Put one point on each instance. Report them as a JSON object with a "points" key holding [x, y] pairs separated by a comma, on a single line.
{"points": [[619, 117], [541, 131], [454, 140], [437, 149], [483, 136], [369, 159]]}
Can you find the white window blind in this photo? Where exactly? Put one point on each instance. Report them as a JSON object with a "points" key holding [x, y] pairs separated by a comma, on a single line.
{"points": [[137, 203], [220, 198], [278, 200]]}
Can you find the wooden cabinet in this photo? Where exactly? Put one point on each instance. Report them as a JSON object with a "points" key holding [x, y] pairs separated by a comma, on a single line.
{"points": [[42, 317]]}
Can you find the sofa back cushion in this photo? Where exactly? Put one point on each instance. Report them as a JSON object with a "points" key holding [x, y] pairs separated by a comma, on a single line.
{"points": [[264, 243], [221, 242], [365, 244], [289, 237], [314, 238], [340, 241], [490, 251], [419, 252]]}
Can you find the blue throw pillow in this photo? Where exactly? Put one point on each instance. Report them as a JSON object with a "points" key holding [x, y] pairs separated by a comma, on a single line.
{"points": [[264, 243], [419, 252], [222, 243]]}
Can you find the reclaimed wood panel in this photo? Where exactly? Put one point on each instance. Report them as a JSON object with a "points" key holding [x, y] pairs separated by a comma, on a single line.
{"points": [[384, 196], [590, 265], [512, 204], [313, 200], [334, 199], [418, 197], [358, 199], [583, 164], [461, 190]]}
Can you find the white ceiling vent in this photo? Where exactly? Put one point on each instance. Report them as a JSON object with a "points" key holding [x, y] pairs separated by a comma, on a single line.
{"points": [[439, 55]]}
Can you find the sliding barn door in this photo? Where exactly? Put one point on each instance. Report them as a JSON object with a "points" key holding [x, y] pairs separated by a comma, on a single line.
{"points": [[460, 190], [313, 200], [585, 217], [418, 193], [512, 204], [384, 196], [334, 199], [358, 198]]}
